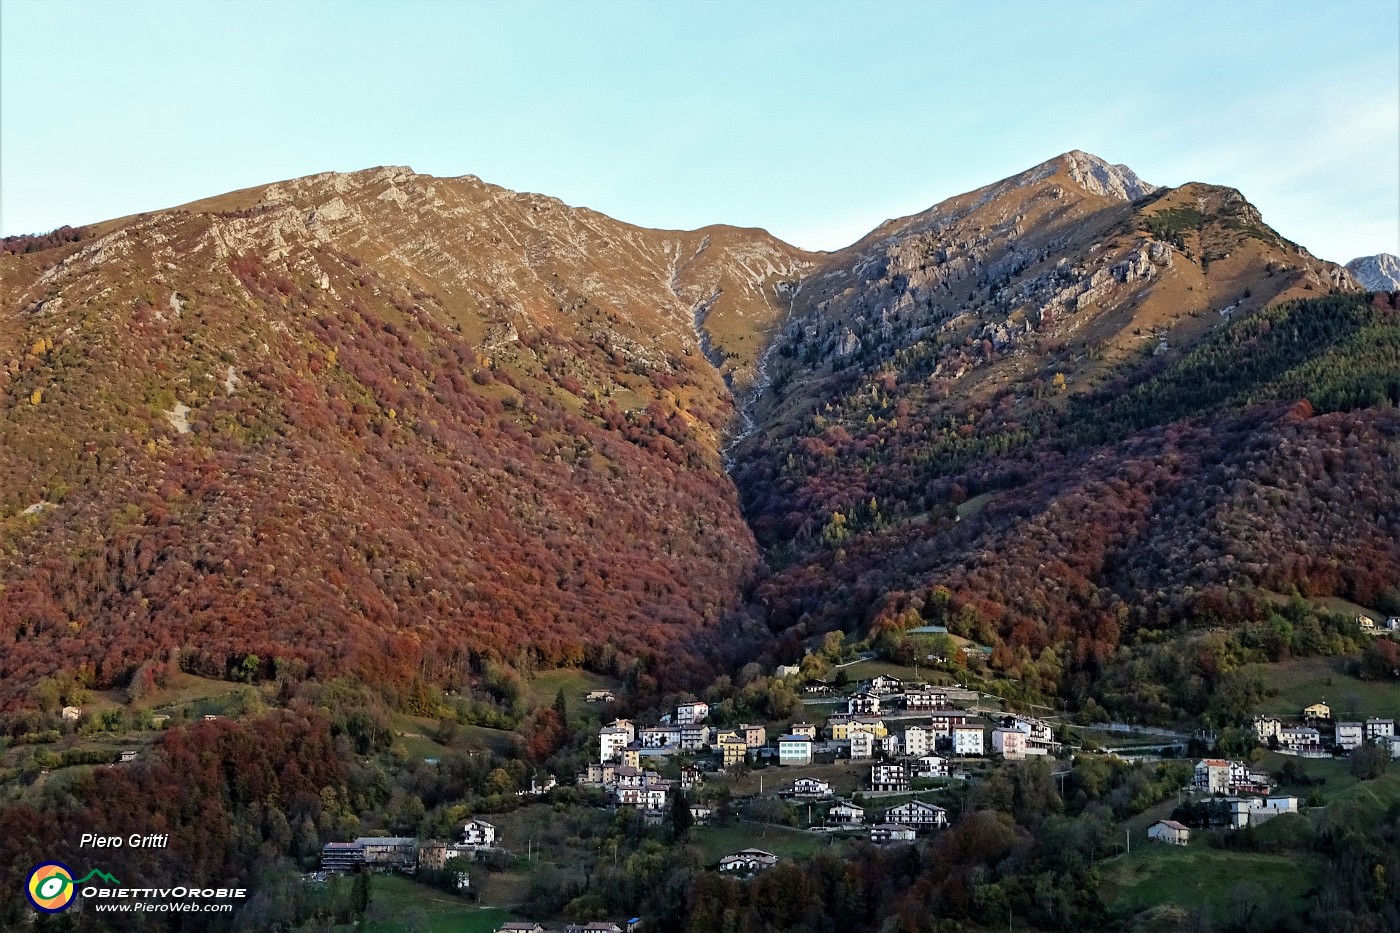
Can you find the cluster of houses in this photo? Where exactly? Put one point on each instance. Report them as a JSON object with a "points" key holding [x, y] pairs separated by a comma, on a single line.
{"points": [[844, 814], [596, 926], [1373, 627], [1318, 735], [1219, 776], [405, 853], [1227, 783], [884, 719]]}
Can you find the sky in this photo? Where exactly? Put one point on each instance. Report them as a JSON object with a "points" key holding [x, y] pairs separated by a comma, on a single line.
{"points": [[816, 121]]}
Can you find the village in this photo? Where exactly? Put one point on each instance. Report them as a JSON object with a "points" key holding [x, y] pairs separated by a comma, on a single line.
{"points": [[873, 769]]}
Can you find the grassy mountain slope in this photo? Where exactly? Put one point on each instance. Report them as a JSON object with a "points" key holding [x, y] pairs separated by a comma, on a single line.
{"points": [[376, 423]]}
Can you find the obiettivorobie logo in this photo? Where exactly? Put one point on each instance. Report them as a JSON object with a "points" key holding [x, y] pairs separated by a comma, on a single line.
{"points": [[52, 888], [51, 885]]}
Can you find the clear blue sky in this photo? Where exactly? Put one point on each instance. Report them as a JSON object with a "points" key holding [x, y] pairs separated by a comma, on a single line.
{"points": [[816, 121]]}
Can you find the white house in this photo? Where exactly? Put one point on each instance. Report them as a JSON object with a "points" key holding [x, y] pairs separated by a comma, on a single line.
{"points": [[811, 787], [924, 699], [885, 685], [688, 714], [1379, 728], [661, 736], [478, 834], [968, 740], [650, 796], [918, 741], [930, 766], [1299, 737], [864, 703], [611, 741], [694, 738], [1169, 831], [1253, 811], [1011, 743], [748, 860], [889, 833], [889, 777], [71, 713], [917, 813], [845, 814], [794, 750], [627, 725], [862, 744], [1350, 734]]}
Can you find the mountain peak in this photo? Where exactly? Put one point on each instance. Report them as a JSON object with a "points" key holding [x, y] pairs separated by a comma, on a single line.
{"points": [[1379, 273], [1101, 177]]}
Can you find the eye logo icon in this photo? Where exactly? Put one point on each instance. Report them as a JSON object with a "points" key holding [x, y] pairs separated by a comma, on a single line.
{"points": [[51, 887]]}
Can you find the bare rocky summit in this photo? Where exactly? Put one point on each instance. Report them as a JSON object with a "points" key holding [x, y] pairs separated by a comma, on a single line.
{"points": [[1379, 273]]}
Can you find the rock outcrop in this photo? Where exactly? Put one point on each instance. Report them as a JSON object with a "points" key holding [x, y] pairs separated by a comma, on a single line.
{"points": [[1379, 273]]}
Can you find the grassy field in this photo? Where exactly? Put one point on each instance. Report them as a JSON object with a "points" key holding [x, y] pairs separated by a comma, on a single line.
{"points": [[412, 732], [1304, 681], [865, 670], [1337, 771], [415, 732], [845, 778], [576, 684], [1107, 739], [1198, 876], [714, 842], [400, 905], [976, 504], [1376, 796], [1334, 604]]}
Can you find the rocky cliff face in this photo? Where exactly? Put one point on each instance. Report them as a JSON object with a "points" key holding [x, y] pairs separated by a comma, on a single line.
{"points": [[1379, 273], [1075, 259]]}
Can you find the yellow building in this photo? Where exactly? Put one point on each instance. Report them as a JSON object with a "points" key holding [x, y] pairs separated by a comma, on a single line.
{"points": [[841, 729], [1317, 711], [732, 749]]}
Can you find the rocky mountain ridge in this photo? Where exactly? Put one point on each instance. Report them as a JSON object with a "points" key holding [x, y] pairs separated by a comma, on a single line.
{"points": [[407, 410], [1378, 273], [1073, 253]]}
